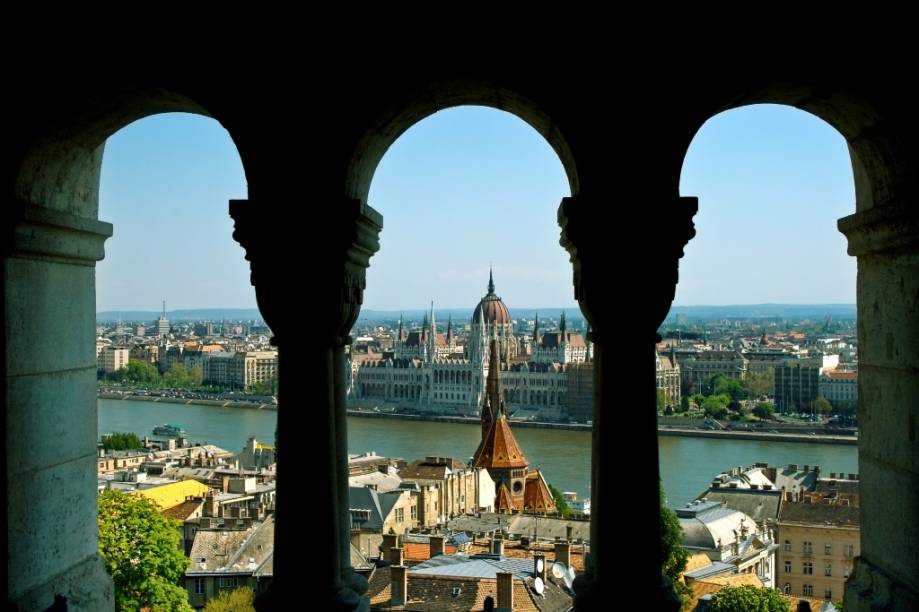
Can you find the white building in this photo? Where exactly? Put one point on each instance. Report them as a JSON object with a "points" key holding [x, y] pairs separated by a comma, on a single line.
{"points": [[728, 538]]}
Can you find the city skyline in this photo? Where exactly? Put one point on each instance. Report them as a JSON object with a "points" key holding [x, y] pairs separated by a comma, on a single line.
{"points": [[497, 184]]}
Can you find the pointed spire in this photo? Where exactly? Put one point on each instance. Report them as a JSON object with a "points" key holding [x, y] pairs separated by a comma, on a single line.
{"points": [[493, 385], [536, 329], [491, 282], [561, 324], [449, 327], [164, 309], [433, 323]]}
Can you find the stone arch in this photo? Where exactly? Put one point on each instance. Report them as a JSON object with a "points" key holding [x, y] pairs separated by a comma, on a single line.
{"points": [[50, 289], [60, 171], [414, 105], [883, 233]]}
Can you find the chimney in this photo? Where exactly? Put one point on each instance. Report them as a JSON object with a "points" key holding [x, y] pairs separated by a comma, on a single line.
{"points": [[832, 474], [568, 530], [793, 467], [497, 546], [807, 469], [395, 556], [853, 476], [505, 592], [399, 584], [437, 545], [539, 566], [562, 553], [390, 540], [210, 504]]}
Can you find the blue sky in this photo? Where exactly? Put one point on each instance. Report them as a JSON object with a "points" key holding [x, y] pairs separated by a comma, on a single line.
{"points": [[470, 186]]}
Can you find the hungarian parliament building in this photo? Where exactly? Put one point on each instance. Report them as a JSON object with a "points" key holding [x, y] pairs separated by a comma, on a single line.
{"points": [[546, 375]]}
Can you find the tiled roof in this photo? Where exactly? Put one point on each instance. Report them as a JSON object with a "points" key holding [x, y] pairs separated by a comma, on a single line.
{"points": [[505, 501], [422, 552], [437, 593], [820, 514], [248, 551], [499, 449], [183, 510], [536, 496]]}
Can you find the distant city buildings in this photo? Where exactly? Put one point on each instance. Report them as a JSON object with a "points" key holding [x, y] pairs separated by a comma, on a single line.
{"points": [[446, 372]]}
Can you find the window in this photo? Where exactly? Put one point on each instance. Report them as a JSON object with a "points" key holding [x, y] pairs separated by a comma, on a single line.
{"points": [[808, 568], [828, 549], [808, 548], [828, 594], [787, 546], [788, 567], [787, 588], [808, 590], [229, 583], [849, 550], [400, 515], [828, 569], [414, 512], [199, 586]]}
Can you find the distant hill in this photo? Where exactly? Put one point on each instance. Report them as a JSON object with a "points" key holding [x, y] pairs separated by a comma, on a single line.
{"points": [[201, 314], [753, 311]]}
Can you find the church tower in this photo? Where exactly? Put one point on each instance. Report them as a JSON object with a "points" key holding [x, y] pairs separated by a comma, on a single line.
{"points": [[498, 452]]}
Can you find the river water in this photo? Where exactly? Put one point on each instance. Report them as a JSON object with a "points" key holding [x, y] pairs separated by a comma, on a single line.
{"points": [[686, 464]]}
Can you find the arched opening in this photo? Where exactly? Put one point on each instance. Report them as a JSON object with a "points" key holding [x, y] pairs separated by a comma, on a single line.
{"points": [[462, 187], [187, 413], [51, 399], [882, 270]]}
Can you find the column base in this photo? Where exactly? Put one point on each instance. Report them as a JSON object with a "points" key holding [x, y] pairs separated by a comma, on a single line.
{"points": [[871, 589], [86, 587]]}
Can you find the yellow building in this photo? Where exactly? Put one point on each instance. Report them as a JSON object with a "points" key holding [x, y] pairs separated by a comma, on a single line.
{"points": [[818, 541], [173, 494]]}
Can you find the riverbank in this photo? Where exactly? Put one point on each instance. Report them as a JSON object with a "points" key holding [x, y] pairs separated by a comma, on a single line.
{"points": [[661, 430], [463, 420], [186, 401]]}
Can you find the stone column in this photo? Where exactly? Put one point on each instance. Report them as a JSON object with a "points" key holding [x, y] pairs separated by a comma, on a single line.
{"points": [[334, 270], [886, 242], [50, 300], [625, 287]]}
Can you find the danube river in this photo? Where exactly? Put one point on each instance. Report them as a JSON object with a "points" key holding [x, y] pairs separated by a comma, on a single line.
{"points": [[687, 464]]}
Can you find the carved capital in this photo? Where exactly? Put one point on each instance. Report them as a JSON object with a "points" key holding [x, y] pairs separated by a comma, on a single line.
{"points": [[609, 261], [335, 263], [886, 229], [42, 233]]}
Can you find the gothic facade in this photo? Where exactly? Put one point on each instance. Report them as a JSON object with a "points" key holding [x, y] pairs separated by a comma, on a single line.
{"points": [[434, 372]]}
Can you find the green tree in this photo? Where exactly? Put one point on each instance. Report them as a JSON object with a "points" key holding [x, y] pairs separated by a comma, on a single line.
{"points": [[684, 403], [137, 372], [178, 377], [140, 549], [560, 504], [237, 600], [197, 376], [716, 406], [673, 555], [730, 387], [698, 399], [822, 406], [121, 441], [759, 383], [764, 410], [748, 598]]}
